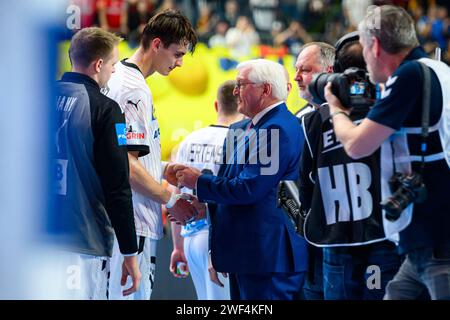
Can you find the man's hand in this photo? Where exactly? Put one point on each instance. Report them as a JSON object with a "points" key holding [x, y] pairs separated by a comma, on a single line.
{"points": [[187, 176], [200, 207], [213, 275], [130, 267], [181, 212], [177, 256], [333, 101], [170, 174]]}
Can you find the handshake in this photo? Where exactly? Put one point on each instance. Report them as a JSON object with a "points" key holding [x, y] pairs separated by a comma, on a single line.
{"points": [[183, 208]]}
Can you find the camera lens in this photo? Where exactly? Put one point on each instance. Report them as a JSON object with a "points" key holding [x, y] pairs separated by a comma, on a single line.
{"points": [[339, 87], [317, 86], [395, 205]]}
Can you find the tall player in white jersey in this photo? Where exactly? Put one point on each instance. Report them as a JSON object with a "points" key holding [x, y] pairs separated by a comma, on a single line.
{"points": [[202, 149], [165, 40]]}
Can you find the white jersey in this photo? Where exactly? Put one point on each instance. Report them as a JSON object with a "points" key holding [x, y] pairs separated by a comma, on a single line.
{"points": [[129, 89], [202, 149]]}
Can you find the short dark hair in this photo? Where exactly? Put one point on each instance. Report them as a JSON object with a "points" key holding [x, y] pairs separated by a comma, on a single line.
{"points": [[226, 100], [90, 44], [350, 55], [171, 26]]}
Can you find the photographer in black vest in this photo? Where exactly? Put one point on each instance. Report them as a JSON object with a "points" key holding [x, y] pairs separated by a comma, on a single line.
{"points": [[410, 122], [342, 195]]}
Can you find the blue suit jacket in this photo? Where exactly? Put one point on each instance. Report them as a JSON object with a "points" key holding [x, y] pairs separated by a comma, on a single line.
{"points": [[249, 233]]}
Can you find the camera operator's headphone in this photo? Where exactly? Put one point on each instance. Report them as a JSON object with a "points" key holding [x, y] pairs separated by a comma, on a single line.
{"points": [[349, 37]]}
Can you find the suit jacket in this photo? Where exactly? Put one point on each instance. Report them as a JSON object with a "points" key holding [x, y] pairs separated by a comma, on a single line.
{"points": [[249, 233]]}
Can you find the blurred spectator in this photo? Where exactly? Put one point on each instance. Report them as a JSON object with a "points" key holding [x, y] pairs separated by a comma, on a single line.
{"points": [[316, 15], [334, 29], [190, 9], [205, 23], [88, 10], [231, 12], [433, 29], [138, 12], [430, 48], [398, 3], [446, 54], [302, 9], [354, 11], [289, 9], [264, 13], [112, 15], [439, 26], [241, 38], [218, 38], [293, 37], [423, 26], [277, 27]]}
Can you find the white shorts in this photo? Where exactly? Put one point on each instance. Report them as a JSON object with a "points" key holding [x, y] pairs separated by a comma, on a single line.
{"points": [[196, 252], [147, 265], [84, 277]]}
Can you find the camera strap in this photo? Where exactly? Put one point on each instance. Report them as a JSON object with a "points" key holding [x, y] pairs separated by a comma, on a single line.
{"points": [[425, 112], [426, 89]]}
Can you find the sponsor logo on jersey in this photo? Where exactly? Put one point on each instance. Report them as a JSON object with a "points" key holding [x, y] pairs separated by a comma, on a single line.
{"points": [[121, 131], [133, 134]]}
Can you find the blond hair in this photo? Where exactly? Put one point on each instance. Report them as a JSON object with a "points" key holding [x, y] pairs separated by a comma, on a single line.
{"points": [[90, 44]]}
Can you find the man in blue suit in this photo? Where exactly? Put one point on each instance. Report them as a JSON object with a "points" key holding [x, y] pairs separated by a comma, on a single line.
{"points": [[251, 238]]}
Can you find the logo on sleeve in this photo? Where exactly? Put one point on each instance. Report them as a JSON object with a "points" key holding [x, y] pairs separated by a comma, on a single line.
{"points": [[135, 104], [390, 81], [133, 134], [153, 113], [121, 131]]}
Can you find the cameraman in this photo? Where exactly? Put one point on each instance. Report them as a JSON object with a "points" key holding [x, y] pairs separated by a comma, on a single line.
{"points": [[390, 49], [350, 244]]}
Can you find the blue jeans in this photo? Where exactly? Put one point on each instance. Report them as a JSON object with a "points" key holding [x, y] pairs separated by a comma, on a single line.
{"points": [[359, 273], [425, 270], [313, 287]]}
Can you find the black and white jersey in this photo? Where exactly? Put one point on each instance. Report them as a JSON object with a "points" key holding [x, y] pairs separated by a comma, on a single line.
{"points": [[91, 184], [129, 89]]}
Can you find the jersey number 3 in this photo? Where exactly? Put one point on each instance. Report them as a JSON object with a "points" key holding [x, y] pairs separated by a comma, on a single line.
{"points": [[60, 178]]}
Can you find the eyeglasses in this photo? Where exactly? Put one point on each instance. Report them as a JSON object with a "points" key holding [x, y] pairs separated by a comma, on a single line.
{"points": [[240, 84]]}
